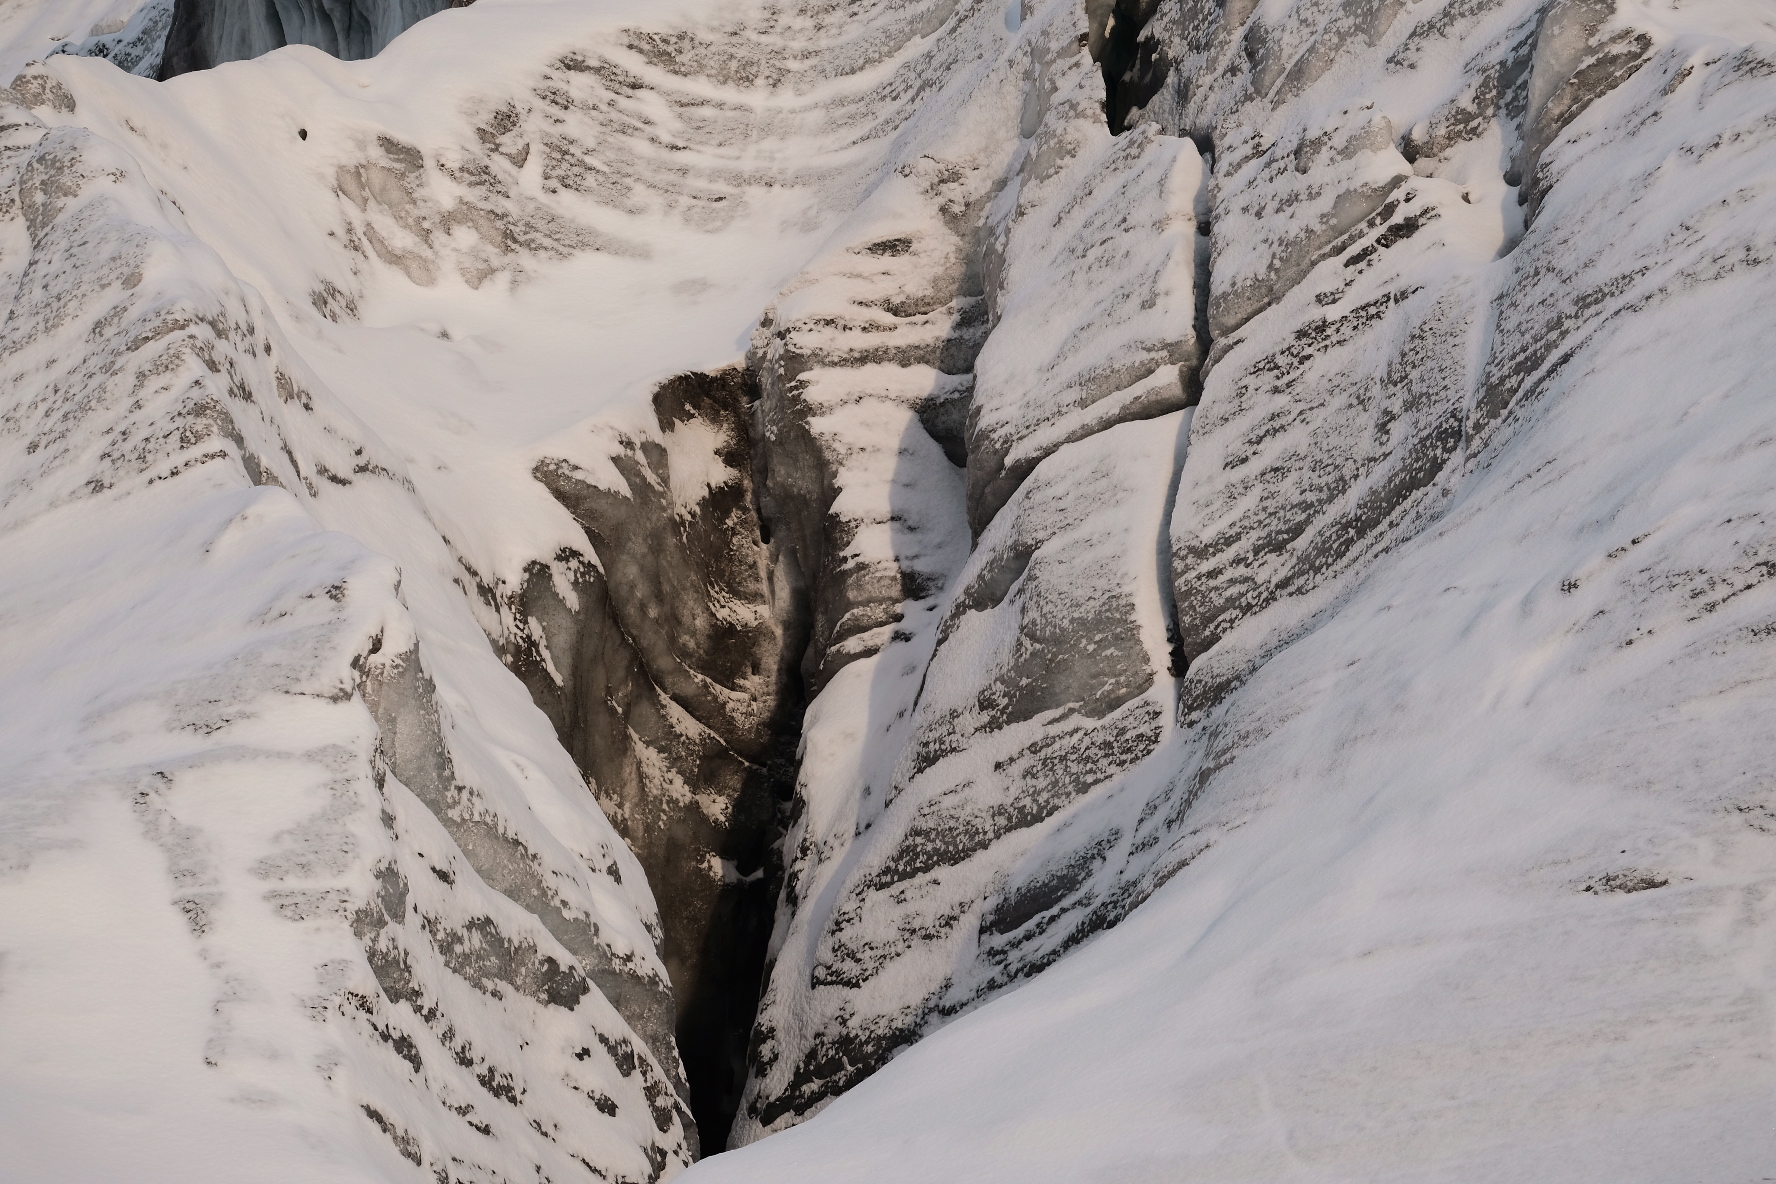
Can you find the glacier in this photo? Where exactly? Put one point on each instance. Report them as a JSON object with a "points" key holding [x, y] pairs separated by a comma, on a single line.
{"points": [[1063, 589]]}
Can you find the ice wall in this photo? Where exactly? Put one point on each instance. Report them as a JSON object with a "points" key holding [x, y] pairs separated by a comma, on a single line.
{"points": [[206, 33]]}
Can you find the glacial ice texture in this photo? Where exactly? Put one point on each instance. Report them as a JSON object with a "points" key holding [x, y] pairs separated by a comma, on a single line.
{"points": [[1141, 589], [205, 33]]}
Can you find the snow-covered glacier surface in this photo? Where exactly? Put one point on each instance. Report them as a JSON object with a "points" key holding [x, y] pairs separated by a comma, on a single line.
{"points": [[1114, 590]]}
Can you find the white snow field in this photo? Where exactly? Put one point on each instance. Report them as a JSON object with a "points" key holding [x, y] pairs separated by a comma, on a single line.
{"points": [[1239, 649]]}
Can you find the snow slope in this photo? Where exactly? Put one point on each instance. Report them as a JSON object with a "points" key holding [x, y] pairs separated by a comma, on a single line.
{"points": [[1388, 338], [256, 279], [1478, 872], [277, 711]]}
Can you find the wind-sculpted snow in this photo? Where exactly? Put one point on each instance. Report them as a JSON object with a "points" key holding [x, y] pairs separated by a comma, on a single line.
{"points": [[1244, 522], [1007, 685], [1433, 826], [469, 970]]}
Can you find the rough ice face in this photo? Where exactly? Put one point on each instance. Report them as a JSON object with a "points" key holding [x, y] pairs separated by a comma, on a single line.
{"points": [[402, 923], [133, 41], [1467, 749], [1280, 207], [205, 33], [1314, 449], [1580, 54], [1092, 256], [981, 697], [664, 667], [1048, 676], [1354, 296], [866, 369], [1379, 379]]}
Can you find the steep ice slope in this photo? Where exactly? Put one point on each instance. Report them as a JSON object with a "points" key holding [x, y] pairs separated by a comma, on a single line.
{"points": [[1481, 888], [205, 33], [456, 274], [1519, 413]]}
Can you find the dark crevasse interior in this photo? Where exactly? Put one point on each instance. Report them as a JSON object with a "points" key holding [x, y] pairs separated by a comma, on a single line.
{"points": [[206, 33], [684, 719], [618, 642], [1134, 67]]}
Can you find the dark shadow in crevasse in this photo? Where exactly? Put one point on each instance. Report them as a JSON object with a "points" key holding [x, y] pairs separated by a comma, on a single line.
{"points": [[855, 610], [673, 679], [1135, 68], [717, 1012], [206, 33]]}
